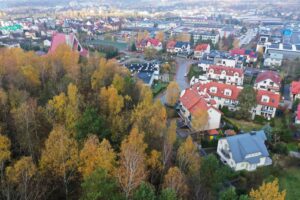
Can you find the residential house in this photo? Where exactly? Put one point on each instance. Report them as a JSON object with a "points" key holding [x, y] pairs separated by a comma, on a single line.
{"points": [[268, 80], [249, 55], [204, 64], [244, 151], [182, 47], [295, 90], [273, 60], [171, 46], [191, 101], [68, 39], [149, 43], [200, 49], [267, 103], [228, 75]]}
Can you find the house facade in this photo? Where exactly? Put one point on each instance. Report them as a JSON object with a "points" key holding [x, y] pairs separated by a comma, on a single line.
{"points": [[295, 90], [273, 60], [191, 101], [228, 75], [267, 104], [244, 151], [200, 49], [268, 80]]}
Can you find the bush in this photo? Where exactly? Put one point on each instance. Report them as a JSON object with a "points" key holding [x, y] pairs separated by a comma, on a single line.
{"points": [[280, 148], [232, 124], [259, 119], [227, 112]]}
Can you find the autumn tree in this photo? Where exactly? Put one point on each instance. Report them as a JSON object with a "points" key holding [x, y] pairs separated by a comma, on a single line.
{"points": [[155, 166], [96, 155], [5, 153], [188, 157], [268, 191], [168, 143], [21, 175], [60, 156], [160, 36], [132, 170], [176, 180], [199, 120], [247, 100], [150, 53], [172, 94]]}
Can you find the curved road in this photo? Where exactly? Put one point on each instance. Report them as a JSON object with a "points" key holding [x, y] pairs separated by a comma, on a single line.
{"points": [[183, 67]]}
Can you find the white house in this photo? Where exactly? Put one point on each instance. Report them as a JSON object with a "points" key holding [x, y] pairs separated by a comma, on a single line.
{"points": [[244, 151], [228, 75], [273, 60], [200, 49], [191, 101], [268, 80], [182, 47], [225, 61]]}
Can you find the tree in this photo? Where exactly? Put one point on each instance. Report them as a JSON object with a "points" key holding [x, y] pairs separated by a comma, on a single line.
{"points": [[96, 155], [133, 47], [175, 180], [145, 191], [155, 166], [199, 120], [60, 156], [150, 53], [166, 68], [172, 94], [268, 191], [100, 186], [160, 36], [5, 153], [132, 170], [169, 140], [247, 100], [90, 123], [21, 174], [168, 194], [229, 194], [188, 157]]}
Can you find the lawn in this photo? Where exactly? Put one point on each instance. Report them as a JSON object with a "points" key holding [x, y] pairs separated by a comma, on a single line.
{"points": [[246, 126], [158, 87], [290, 180]]}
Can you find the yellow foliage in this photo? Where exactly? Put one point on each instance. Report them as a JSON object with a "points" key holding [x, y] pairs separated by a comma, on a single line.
{"points": [[160, 36], [175, 180], [119, 83], [268, 191], [154, 160], [57, 106], [4, 149], [95, 155], [31, 75], [111, 102], [199, 120], [132, 170], [188, 157], [61, 152], [21, 171], [172, 93]]}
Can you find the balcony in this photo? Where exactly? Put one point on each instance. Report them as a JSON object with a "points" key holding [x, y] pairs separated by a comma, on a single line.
{"points": [[267, 111]]}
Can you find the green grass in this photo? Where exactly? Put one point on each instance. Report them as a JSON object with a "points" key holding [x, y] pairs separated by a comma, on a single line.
{"points": [[195, 71], [246, 125], [158, 87], [119, 45], [292, 146], [290, 181]]}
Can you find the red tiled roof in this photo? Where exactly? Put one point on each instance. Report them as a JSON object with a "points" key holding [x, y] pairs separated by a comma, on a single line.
{"points": [[220, 89], [295, 87], [201, 47], [229, 70], [171, 44], [274, 76], [274, 98], [192, 101], [213, 132], [153, 41], [238, 52]]}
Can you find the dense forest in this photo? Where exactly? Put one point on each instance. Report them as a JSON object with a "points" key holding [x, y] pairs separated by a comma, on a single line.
{"points": [[83, 128]]}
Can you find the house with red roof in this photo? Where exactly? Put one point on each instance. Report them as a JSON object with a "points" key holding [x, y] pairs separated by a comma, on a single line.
{"points": [[227, 95], [149, 43], [249, 55], [295, 90], [224, 74], [171, 46], [68, 39], [191, 101], [268, 80], [200, 50], [267, 103]]}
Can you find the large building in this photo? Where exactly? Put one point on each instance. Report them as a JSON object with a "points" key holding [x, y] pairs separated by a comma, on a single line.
{"points": [[228, 75], [289, 51]]}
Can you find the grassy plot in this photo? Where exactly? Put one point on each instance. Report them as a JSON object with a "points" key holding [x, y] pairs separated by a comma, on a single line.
{"points": [[290, 181], [158, 87], [246, 126]]}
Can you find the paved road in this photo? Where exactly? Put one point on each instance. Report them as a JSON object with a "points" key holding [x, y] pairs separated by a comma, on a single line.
{"points": [[183, 67]]}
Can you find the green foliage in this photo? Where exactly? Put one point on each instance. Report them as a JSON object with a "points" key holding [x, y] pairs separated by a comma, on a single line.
{"points": [[280, 148], [145, 192], [247, 100], [229, 194], [90, 123], [167, 194], [100, 186], [133, 47]]}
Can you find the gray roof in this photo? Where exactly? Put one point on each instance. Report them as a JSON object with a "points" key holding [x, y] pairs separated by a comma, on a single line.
{"points": [[249, 143]]}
